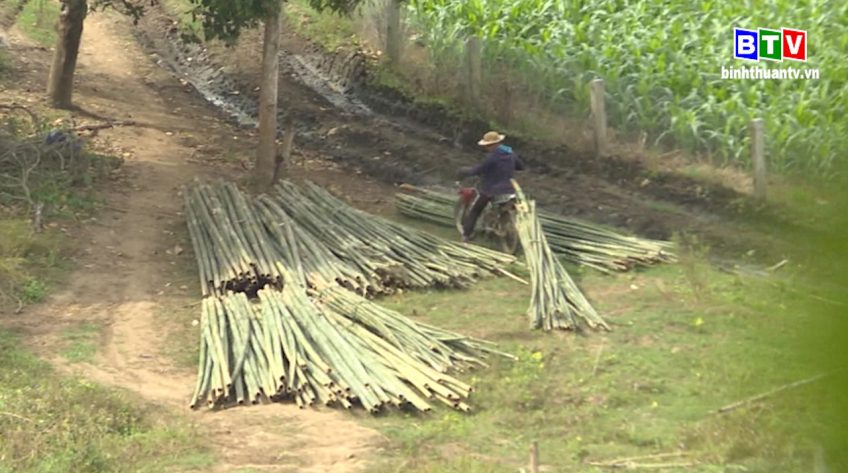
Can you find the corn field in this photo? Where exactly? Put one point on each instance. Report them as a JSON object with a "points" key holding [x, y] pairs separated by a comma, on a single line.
{"points": [[661, 63]]}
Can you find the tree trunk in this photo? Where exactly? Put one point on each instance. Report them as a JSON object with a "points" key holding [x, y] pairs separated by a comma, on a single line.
{"points": [[284, 156], [393, 36], [266, 153], [60, 85]]}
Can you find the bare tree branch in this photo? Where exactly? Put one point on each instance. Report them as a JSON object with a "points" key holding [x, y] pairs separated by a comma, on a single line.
{"points": [[33, 117]]}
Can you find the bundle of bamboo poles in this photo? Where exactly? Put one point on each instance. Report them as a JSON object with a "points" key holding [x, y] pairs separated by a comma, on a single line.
{"points": [[556, 301], [284, 314], [332, 349], [580, 242], [440, 349], [399, 256], [473, 258], [239, 244], [232, 248], [321, 266]]}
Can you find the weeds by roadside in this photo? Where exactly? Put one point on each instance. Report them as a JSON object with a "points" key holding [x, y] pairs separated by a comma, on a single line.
{"points": [[46, 175], [9, 9], [44, 164], [4, 66], [80, 342], [329, 30], [192, 29], [693, 260], [55, 424], [37, 18], [28, 263]]}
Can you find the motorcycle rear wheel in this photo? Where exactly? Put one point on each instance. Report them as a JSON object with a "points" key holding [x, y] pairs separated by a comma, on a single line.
{"points": [[508, 235]]}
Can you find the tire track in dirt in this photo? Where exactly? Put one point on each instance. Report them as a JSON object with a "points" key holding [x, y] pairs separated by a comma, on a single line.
{"points": [[124, 267]]}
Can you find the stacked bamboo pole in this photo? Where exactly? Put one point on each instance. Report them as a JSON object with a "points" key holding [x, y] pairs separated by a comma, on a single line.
{"points": [[231, 247], [402, 257], [580, 242], [321, 266], [239, 244], [556, 301], [442, 350], [284, 314], [322, 350]]}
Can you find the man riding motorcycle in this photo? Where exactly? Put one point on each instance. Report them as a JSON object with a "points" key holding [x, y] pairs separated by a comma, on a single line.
{"points": [[496, 172]]}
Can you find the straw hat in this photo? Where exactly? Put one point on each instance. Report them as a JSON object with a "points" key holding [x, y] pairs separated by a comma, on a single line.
{"points": [[491, 138]]}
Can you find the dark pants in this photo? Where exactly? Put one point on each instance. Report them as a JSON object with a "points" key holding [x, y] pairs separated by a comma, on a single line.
{"points": [[474, 213]]}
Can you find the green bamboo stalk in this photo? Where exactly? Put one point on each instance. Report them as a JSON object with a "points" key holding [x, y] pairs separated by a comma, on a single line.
{"points": [[199, 245], [204, 370], [214, 339], [225, 243]]}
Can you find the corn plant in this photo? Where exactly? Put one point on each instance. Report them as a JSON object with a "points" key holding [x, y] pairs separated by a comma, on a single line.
{"points": [[661, 62]]}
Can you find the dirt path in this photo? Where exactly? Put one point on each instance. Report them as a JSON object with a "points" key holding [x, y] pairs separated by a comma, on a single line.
{"points": [[125, 264]]}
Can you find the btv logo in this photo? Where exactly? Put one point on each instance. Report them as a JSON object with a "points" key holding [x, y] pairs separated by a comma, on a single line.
{"points": [[772, 45]]}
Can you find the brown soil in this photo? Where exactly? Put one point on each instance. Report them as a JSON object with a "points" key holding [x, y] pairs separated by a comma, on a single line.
{"points": [[125, 262]]}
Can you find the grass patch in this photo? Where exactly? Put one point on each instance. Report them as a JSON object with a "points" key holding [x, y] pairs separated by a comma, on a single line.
{"points": [[81, 342], [55, 424], [664, 207], [687, 339], [34, 291], [179, 305], [60, 169], [181, 341], [64, 202], [29, 262], [192, 27], [383, 75], [37, 20], [329, 30]]}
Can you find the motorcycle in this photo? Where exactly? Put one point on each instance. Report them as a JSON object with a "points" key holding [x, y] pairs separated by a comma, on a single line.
{"points": [[496, 222]]}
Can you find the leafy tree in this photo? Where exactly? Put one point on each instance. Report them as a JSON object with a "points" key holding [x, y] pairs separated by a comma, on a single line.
{"points": [[225, 20]]}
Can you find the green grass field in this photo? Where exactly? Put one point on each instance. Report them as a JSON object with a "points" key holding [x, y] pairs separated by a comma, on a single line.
{"points": [[53, 424], [80, 343], [686, 341]]}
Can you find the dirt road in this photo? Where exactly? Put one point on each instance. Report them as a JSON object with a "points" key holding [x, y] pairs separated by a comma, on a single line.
{"points": [[125, 263]]}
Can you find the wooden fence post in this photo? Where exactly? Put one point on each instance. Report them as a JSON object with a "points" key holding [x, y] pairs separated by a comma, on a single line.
{"points": [[599, 117], [758, 156], [474, 72], [393, 36], [534, 457]]}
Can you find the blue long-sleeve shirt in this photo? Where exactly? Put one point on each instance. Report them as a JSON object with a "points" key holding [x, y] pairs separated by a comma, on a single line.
{"points": [[496, 171]]}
